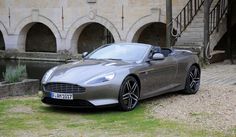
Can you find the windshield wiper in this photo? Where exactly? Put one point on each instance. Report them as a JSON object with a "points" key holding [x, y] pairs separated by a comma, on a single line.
{"points": [[111, 59]]}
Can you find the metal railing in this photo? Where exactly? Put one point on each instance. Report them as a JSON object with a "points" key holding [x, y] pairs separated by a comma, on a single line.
{"points": [[186, 15], [216, 14]]}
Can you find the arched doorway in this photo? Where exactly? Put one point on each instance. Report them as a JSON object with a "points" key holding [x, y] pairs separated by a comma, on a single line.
{"points": [[93, 36], [2, 43], [152, 33], [40, 38]]}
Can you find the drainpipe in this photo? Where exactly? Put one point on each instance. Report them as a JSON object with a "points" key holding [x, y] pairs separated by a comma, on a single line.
{"points": [[206, 29], [168, 23]]}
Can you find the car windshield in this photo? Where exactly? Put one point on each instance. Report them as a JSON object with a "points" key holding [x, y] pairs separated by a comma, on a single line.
{"points": [[126, 52]]}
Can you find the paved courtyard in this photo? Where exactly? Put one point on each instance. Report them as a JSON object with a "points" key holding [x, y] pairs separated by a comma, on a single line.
{"points": [[213, 107], [219, 74]]}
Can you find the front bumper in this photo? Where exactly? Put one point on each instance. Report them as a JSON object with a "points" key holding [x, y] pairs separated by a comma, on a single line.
{"points": [[67, 103], [99, 95]]}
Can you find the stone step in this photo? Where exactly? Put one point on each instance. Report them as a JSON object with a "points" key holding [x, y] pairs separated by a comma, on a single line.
{"points": [[194, 47], [192, 34], [188, 40], [194, 30]]}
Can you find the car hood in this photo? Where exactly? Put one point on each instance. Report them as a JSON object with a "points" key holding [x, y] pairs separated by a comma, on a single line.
{"points": [[81, 71]]}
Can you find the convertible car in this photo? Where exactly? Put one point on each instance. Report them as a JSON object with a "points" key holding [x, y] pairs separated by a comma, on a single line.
{"points": [[121, 74]]}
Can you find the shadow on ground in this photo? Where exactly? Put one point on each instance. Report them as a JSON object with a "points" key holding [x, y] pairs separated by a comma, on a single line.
{"points": [[105, 109]]}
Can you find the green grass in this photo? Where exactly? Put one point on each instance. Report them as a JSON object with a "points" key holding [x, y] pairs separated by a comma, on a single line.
{"points": [[44, 121]]}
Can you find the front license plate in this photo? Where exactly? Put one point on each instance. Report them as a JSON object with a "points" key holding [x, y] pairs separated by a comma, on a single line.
{"points": [[64, 96]]}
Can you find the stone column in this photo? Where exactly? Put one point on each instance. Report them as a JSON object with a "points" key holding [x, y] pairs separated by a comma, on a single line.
{"points": [[206, 28], [168, 22]]}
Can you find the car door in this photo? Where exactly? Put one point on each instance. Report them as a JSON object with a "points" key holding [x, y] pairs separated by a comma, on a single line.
{"points": [[158, 76]]}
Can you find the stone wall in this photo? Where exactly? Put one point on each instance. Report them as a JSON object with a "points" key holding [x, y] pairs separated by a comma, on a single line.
{"points": [[124, 19], [27, 87], [67, 19]]}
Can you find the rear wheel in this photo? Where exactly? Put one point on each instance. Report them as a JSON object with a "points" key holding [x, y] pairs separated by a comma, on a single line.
{"points": [[193, 80], [129, 94]]}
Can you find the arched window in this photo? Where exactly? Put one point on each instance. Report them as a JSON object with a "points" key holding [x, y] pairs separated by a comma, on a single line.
{"points": [[152, 33], [92, 36], [40, 38], [2, 43]]}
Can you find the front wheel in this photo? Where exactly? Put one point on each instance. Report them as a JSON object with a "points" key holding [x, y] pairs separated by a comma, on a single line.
{"points": [[129, 94], [193, 80]]}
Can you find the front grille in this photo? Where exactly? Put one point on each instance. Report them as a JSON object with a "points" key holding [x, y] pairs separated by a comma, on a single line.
{"points": [[63, 88]]}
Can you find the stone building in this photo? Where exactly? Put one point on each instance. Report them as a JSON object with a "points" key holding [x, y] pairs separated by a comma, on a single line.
{"points": [[83, 25]]}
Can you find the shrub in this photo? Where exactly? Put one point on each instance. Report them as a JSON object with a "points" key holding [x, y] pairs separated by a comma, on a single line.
{"points": [[15, 74]]}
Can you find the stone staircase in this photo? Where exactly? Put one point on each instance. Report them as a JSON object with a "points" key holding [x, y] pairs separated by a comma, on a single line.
{"points": [[192, 37]]}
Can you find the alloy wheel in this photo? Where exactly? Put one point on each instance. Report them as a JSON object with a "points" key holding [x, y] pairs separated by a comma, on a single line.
{"points": [[194, 76], [193, 80], [130, 93]]}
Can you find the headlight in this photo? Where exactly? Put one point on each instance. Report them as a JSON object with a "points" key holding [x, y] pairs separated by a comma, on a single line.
{"points": [[48, 74], [101, 78]]}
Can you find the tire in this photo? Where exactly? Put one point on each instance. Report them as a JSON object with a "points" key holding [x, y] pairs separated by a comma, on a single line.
{"points": [[193, 80], [129, 94]]}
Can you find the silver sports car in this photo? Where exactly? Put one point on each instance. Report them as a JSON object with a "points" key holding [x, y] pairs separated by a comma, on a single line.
{"points": [[121, 74]]}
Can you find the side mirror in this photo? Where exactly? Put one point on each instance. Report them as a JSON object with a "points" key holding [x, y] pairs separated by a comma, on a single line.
{"points": [[158, 56], [84, 54]]}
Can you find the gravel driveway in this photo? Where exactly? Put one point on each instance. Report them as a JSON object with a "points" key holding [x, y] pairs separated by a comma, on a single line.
{"points": [[213, 107]]}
